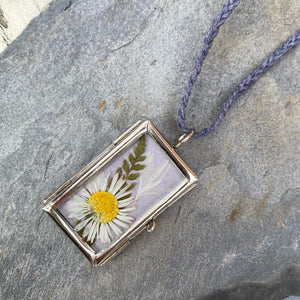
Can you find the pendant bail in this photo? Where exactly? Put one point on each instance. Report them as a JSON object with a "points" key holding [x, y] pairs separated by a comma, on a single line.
{"points": [[183, 139]]}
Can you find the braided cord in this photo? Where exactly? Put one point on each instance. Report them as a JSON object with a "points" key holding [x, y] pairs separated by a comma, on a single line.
{"points": [[243, 86]]}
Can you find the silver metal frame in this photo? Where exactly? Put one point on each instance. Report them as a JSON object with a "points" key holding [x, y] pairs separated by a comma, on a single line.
{"points": [[123, 142]]}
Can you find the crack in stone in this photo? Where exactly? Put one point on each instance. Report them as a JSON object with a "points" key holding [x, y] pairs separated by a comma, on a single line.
{"points": [[212, 165], [240, 185], [178, 214], [131, 41], [68, 6], [123, 46], [287, 191], [47, 165], [39, 221]]}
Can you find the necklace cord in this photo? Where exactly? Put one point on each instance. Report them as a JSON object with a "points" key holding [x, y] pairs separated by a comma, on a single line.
{"points": [[226, 11]]}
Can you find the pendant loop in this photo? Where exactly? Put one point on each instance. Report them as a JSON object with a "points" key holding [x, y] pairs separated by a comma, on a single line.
{"points": [[151, 226], [183, 139]]}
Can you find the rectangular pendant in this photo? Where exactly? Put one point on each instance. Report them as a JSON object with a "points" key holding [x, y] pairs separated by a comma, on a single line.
{"points": [[120, 192]]}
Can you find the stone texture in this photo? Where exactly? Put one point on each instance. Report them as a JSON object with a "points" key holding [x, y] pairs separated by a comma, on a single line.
{"points": [[133, 58], [276, 288]]}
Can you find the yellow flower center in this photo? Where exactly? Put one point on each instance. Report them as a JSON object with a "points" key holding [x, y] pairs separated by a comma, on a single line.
{"points": [[105, 206]]}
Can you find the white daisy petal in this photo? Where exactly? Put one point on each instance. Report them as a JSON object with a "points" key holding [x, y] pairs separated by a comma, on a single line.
{"points": [[83, 193], [78, 198], [106, 238], [122, 194], [76, 206], [93, 231], [128, 209], [87, 229], [82, 211], [94, 235], [82, 224], [126, 202], [125, 218], [98, 231], [109, 231], [113, 182], [72, 203], [126, 199], [115, 228], [102, 181], [96, 185], [90, 186], [77, 215], [120, 223], [101, 232], [121, 213], [77, 211], [117, 186]]}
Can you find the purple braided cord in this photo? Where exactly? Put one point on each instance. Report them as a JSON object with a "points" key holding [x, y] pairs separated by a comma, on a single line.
{"points": [[243, 86]]}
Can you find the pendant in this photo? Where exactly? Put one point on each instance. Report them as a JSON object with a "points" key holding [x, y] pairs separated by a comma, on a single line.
{"points": [[121, 192]]}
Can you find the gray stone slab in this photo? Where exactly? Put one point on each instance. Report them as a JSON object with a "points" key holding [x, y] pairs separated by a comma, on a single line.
{"points": [[241, 224]]}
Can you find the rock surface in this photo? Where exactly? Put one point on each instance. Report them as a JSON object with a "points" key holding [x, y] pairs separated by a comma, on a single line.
{"points": [[130, 59]]}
